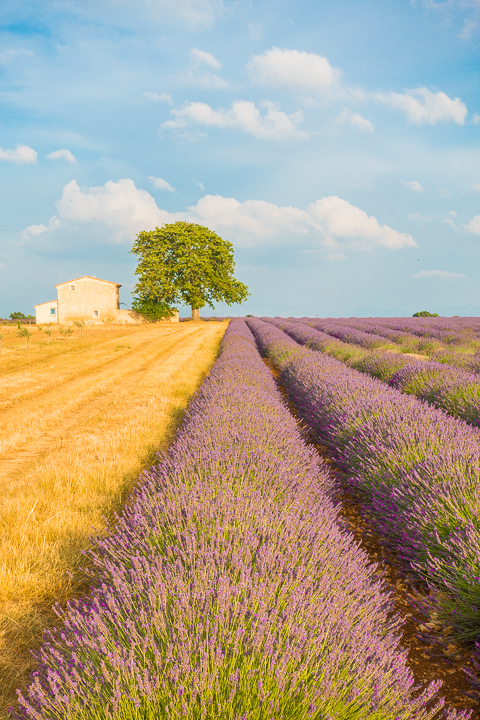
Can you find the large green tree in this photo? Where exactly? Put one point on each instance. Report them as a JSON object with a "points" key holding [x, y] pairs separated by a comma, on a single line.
{"points": [[185, 263]]}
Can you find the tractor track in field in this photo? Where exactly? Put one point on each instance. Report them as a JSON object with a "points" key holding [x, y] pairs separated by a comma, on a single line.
{"points": [[36, 448], [426, 659]]}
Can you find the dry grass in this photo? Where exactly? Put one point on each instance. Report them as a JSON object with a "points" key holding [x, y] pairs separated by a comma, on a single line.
{"points": [[80, 419]]}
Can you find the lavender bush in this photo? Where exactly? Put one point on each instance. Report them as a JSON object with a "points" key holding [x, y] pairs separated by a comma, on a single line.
{"points": [[349, 334], [453, 389], [318, 340], [374, 327], [418, 470], [447, 330], [228, 589], [450, 388]]}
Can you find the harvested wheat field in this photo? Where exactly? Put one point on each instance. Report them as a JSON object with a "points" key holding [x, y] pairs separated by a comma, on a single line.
{"points": [[81, 416]]}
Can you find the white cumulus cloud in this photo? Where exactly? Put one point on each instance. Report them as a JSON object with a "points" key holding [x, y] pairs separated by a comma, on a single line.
{"points": [[22, 155], [33, 230], [474, 225], [62, 154], [330, 224], [244, 116], [338, 219], [123, 207], [439, 274], [160, 184], [476, 187], [295, 70], [413, 185], [199, 57], [347, 117], [423, 107]]}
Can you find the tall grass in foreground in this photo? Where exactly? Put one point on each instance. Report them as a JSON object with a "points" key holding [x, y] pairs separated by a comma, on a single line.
{"points": [[121, 405], [227, 589]]}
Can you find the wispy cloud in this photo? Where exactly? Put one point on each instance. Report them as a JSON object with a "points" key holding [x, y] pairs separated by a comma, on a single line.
{"points": [[200, 57], [423, 107], [438, 275], [62, 154], [413, 185], [347, 117], [160, 184], [418, 217], [34, 230], [244, 116], [197, 77], [160, 97]]}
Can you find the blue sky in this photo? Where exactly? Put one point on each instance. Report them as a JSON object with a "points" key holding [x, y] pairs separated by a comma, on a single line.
{"points": [[335, 143]]}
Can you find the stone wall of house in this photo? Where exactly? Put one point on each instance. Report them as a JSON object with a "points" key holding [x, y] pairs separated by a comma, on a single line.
{"points": [[44, 315], [89, 299], [92, 300]]}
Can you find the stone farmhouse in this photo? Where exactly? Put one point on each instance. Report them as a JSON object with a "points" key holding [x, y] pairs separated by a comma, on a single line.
{"points": [[89, 299]]}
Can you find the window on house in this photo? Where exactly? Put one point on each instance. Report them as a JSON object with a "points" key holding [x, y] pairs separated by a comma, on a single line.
{"points": [[72, 287], [52, 311], [95, 313]]}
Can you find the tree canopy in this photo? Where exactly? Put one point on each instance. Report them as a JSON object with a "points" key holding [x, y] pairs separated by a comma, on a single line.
{"points": [[21, 316], [184, 263], [424, 313]]}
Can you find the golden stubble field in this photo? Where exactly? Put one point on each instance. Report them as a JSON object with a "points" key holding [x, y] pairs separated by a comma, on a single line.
{"points": [[80, 418]]}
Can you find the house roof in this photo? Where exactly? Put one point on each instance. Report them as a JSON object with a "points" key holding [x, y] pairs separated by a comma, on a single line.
{"points": [[88, 277], [52, 302]]}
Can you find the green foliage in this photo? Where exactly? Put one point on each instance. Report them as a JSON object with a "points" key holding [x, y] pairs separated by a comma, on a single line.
{"points": [[185, 263], [425, 313], [21, 316], [152, 310], [80, 324], [24, 332], [65, 331]]}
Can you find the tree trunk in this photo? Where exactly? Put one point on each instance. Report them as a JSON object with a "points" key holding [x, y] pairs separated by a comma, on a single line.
{"points": [[195, 314]]}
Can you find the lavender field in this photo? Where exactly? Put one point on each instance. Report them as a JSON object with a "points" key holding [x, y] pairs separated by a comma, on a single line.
{"points": [[232, 586]]}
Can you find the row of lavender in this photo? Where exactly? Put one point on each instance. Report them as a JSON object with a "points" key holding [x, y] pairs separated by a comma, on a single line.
{"points": [[227, 588], [371, 334], [453, 389], [417, 469], [408, 333]]}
